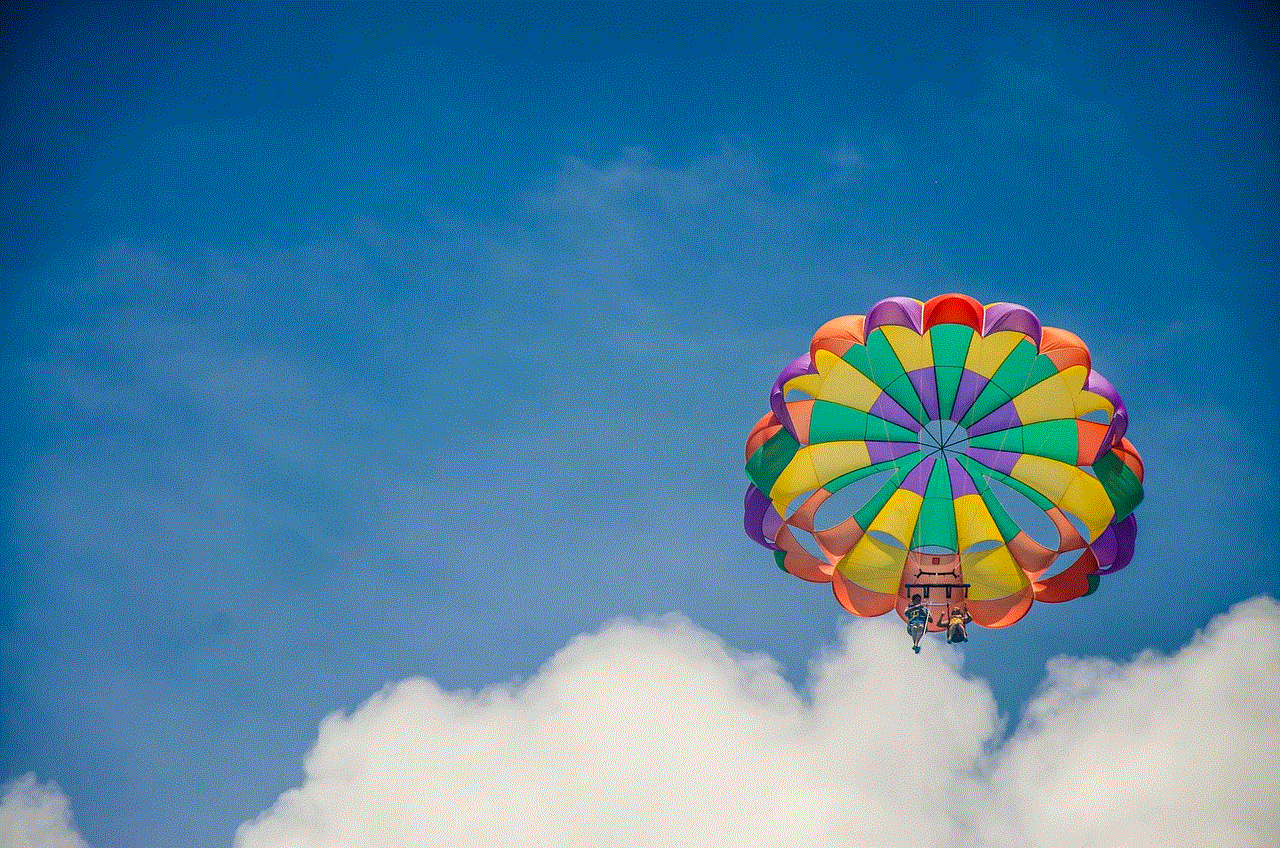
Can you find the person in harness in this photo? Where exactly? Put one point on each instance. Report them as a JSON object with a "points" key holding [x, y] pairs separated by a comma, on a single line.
{"points": [[955, 624], [917, 615]]}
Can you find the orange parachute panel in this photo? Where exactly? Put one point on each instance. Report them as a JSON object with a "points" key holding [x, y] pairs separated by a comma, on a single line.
{"points": [[1001, 612], [1089, 439], [1070, 584], [1031, 556], [838, 335], [1064, 348], [762, 432], [800, 562], [1130, 457], [801, 412], [859, 600]]}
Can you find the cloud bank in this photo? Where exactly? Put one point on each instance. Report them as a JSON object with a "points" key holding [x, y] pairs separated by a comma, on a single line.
{"points": [[36, 815], [656, 733]]}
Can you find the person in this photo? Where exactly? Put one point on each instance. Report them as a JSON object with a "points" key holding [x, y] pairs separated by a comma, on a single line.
{"points": [[918, 619], [955, 624]]}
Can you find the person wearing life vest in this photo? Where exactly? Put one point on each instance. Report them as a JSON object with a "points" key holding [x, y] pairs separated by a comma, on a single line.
{"points": [[956, 621], [918, 619]]}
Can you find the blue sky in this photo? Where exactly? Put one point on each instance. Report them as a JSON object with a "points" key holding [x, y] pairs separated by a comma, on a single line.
{"points": [[348, 345]]}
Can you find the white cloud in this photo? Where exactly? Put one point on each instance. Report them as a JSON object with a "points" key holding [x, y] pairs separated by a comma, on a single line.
{"points": [[1174, 750], [658, 734], [35, 815]]}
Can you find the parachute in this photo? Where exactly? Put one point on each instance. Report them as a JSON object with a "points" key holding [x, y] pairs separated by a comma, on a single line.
{"points": [[949, 449]]}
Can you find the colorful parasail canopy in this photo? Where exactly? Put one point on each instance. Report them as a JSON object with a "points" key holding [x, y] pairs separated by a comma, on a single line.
{"points": [[906, 452]]}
